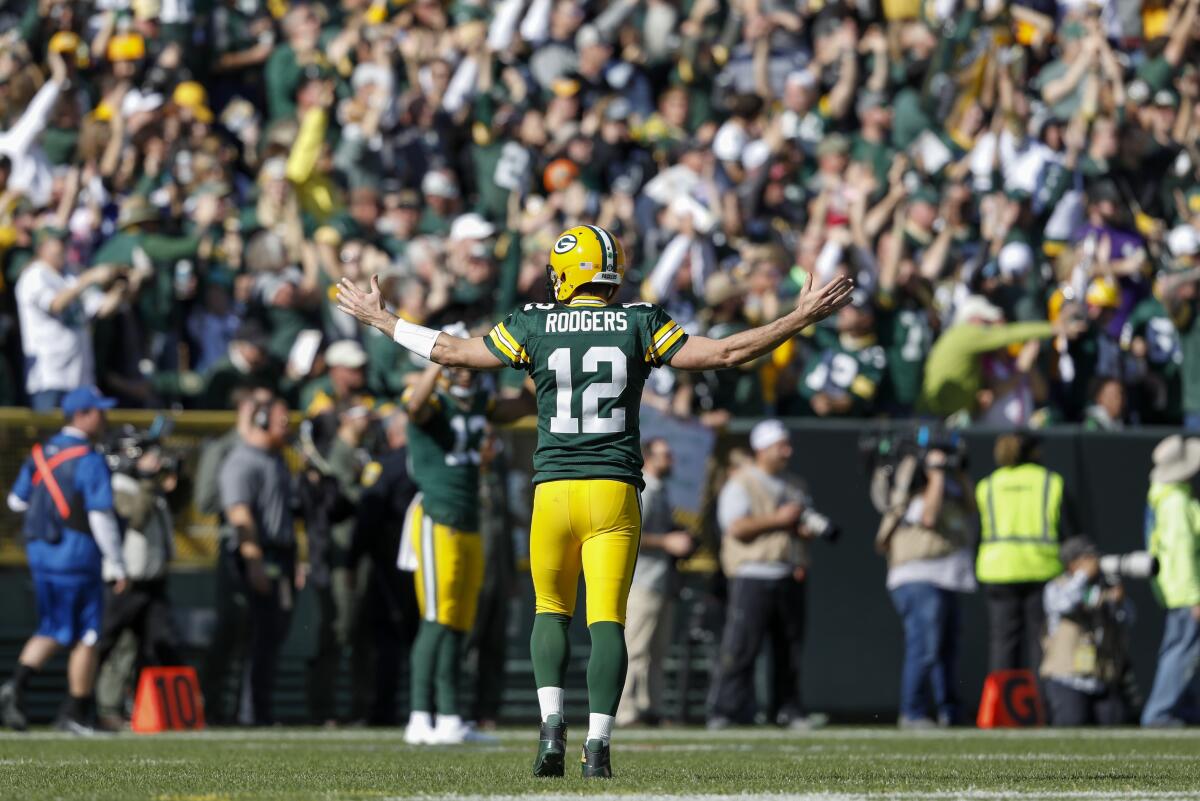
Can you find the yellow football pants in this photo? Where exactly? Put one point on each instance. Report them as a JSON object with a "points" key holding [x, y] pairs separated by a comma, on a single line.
{"points": [[449, 572], [589, 524]]}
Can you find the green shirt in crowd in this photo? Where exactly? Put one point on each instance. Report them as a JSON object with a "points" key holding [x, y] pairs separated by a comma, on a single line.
{"points": [[953, 373]]}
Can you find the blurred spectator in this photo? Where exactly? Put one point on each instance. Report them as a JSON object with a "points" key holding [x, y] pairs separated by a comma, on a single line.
{"points": [[1023, 516], [1173, 531], [843, 377], [926, 534], [56, 310], [765, 558], [649, 623], [954, 373], [1085, 657]]}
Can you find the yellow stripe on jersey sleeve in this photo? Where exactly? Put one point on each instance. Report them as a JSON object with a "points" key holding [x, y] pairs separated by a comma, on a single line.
{"points": [[502, 346], [667, 336], [514, 347]]}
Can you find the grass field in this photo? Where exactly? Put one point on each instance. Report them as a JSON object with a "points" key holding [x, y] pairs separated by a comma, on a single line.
{"points": [[829, 765]]}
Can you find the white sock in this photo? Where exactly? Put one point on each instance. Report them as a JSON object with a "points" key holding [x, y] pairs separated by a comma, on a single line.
{"points": [[420, 719], [450, 722], [600, 726], [550, 699]]}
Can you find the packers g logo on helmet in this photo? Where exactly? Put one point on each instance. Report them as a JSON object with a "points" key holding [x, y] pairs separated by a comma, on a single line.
{"points": [[585, 254]]}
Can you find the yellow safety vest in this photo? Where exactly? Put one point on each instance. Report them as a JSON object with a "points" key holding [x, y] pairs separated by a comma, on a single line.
{"points": [[1019, 511]]}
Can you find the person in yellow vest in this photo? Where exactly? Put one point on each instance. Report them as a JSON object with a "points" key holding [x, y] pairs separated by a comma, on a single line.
{"points": [[1173, 536], [1021, 516]]}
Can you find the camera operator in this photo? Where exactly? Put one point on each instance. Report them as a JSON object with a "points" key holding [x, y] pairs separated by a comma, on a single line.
{"points": [[256, 495], [926, 535], [1084, 650], [143, 475], [765, 521]]}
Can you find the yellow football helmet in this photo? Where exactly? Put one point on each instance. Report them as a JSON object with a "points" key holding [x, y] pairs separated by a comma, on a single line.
{"points": [[585, 254], [1103, 292]]}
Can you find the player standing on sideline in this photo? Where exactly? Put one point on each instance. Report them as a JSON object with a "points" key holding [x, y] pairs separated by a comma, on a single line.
{"points": [[589, 359], [448, 411]]}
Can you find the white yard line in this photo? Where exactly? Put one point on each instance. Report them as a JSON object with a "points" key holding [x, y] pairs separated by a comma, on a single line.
{"points": [[965, 795], [691, 735]]}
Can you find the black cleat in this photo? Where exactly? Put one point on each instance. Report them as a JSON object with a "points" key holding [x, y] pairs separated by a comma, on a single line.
{"points": [[552, 748], [11, 714], [596, 763]]}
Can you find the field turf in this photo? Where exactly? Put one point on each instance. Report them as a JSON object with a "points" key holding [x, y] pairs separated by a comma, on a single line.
{"points": [[840, 764]]}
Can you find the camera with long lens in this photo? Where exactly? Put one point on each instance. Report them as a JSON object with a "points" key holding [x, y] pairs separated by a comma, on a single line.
{"points": [[887, 448], [1132, 565], [819, 525], [126, 445]]}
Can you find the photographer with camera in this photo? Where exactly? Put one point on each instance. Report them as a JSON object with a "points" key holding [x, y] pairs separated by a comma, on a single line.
{"points": [[143, 475], [1085, 647], [928, 508], [1173, 532], [766, 520]]}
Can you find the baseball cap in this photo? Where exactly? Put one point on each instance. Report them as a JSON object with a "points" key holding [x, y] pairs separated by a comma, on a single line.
{"points": [[618, 110], [192, 96], [84, 398], [861, 299], [1015, 259], [766, 434], [64, 42], [834, 144], [977, 307], [588, 36], [1183, 240], [727, 145], [721, 287], [470, 226], [438, 184], [868, 100], [1075, 548], [345, 353], [1165, 98], [801, 78]]}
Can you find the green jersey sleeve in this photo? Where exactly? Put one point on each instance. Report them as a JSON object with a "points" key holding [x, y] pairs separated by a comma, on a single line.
{"points": [[508, 338], [660, 336]]}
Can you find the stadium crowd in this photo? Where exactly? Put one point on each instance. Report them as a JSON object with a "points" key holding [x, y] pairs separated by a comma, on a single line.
{"points": [[181, 186]]}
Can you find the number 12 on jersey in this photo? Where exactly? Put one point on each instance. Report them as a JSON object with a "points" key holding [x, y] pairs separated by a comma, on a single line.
{"points": [[593, 419]]}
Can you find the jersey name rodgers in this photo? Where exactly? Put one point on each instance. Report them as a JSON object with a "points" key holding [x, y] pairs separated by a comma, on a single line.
{"points": [[589, 362], [443, 454]]}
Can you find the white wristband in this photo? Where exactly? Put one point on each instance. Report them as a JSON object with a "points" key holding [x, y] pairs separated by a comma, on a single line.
{"points": [[416, 338]]}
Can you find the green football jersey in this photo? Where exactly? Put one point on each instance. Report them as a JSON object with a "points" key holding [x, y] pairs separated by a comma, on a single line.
{"points": [[589, 362], [443, 454], [906, 337]]}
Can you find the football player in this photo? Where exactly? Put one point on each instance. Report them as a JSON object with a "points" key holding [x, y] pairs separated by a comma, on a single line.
{"points": [[448, 412], [589, 358]]}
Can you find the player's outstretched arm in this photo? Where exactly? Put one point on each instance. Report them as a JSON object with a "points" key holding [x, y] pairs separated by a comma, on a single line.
{"points": [[450, 351], [813, 305]]}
